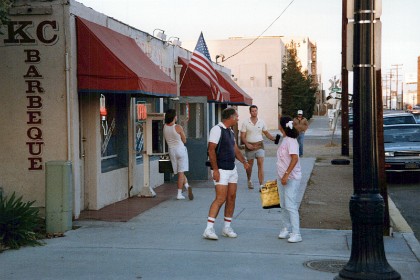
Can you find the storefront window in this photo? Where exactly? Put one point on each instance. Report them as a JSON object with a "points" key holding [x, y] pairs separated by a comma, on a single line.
{"points": [[191, 118], [152, 105], [114, 144], [140, 125]]}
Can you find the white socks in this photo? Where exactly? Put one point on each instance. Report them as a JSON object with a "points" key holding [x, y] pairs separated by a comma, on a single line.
{"points": [[210, 222], [227, 221]]}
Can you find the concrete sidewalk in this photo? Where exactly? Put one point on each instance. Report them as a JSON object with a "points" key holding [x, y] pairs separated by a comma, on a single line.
{"points": [[165, 242]]}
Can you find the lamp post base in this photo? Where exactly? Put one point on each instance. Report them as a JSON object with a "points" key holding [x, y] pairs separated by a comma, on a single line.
{"points": [[367, 260]]}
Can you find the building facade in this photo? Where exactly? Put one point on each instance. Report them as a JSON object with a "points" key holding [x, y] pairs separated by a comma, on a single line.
{"points": [[85, 88], [258, 68]]}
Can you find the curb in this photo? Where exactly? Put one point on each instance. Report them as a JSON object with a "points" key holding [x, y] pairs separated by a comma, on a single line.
{"points": [[400, 225], [397, 220]]}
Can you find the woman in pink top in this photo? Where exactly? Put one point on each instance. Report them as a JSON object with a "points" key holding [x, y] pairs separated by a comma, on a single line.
{"points": [[289, 172], [175, 137]]}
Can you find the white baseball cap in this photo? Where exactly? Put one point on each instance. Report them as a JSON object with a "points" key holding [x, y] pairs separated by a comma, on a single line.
{"points": [[300, 112]]}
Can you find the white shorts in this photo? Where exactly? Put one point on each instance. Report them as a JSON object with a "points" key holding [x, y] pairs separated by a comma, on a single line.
{"points": [[226, 177], [179, 159]]}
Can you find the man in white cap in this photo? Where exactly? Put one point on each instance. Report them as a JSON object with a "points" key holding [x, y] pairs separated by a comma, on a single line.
{"points": [[301, 124]]}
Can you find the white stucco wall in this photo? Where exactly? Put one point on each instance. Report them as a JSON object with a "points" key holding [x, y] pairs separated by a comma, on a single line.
{"points": [[252, 70], [267, 110]]}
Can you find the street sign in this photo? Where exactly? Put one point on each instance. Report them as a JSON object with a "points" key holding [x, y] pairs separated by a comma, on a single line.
{"points": [[335, 84], [337, 95]]}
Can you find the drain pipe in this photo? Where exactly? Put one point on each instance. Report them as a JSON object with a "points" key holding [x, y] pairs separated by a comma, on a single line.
{"points": [[67, 69]]}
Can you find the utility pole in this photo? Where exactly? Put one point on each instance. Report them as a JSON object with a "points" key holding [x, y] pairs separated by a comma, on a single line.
{"points": [[386, 91], [402, 94], [390, 89], [344, 84], [397, 67], [367, 259]]}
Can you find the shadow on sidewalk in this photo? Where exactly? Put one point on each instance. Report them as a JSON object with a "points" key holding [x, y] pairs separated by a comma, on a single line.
{"points": [[129, 208], [125, 210]]}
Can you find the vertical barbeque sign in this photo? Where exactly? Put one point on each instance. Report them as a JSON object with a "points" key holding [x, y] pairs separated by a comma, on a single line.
{"points": [[31, 36]]}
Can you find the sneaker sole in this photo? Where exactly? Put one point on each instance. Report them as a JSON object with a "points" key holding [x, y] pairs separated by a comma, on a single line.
{"points": [[209, 238], [190, 194], [226, 235], [294, 241]]}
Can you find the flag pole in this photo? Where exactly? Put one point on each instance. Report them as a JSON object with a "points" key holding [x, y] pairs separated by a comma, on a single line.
{"points": [[183, 76]]}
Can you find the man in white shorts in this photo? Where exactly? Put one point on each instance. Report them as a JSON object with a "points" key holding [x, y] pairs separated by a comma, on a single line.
{"points": [[223, 150], [251, 136], [176, 139]]}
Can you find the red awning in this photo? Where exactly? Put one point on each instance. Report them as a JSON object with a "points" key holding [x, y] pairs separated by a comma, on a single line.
{"points": [[108, 61], [237, 95], [193, 83]]}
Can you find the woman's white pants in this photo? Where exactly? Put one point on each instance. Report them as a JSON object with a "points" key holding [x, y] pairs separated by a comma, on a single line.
{"points": [[290, 199]]}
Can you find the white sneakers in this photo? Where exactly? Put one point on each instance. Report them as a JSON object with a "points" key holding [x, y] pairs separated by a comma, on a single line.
{"points": [[284, 233], [210, 234], [294, 238], [189, 191], [228, 232]]}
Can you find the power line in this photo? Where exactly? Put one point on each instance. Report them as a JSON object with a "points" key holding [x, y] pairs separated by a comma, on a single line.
{"points": [[261, 33]]}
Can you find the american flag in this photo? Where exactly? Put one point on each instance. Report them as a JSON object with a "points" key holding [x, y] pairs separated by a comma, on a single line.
{"points": [[201, 62]]}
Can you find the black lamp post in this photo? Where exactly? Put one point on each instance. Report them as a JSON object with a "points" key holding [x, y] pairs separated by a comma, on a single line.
{"points": [[367, 260]]}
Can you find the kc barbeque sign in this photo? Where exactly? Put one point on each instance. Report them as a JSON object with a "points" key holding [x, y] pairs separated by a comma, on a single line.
{"points": [[31, 36]]}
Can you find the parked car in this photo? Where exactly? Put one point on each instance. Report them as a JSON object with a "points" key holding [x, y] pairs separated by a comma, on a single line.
{"points": [[416, 109], [402, 147], [417, 116], [399, 118]]}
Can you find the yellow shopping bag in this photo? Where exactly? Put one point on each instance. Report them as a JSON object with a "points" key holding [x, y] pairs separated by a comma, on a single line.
{"points": [[270, 195]]}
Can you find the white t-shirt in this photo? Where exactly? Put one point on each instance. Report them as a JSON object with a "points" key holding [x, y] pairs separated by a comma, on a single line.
{"points": [[253, 131], [289, 146], [215, 133]]}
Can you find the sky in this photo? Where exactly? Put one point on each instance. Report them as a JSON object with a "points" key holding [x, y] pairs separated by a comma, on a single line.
{"points": [[319, 20]]}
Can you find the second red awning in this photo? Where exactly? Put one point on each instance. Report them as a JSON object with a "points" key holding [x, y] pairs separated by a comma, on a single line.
{"points": [[193, 83], [237, 95]]}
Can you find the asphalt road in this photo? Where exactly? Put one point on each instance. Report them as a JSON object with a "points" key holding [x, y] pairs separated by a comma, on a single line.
{"points": [[404, 190]]}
